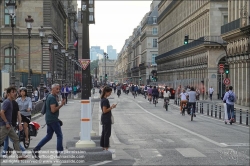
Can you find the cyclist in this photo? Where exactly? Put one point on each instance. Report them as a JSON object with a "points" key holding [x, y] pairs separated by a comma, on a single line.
{"points": [[149, 94], [118, 90], [183, 96], [155, 94], [166, 95], [145, 91], [192, 99], [136, 90]]}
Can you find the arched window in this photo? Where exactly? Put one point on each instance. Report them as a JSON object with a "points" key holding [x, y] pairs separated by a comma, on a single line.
{"points": [[8, 58]]}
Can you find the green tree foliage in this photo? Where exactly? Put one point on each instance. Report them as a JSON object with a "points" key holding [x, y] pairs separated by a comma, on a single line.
{"points": [[93, 65]]}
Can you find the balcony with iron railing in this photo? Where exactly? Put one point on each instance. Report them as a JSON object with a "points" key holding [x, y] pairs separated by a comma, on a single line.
{"points": [[198, 42], [230, 26], [149, 33]]}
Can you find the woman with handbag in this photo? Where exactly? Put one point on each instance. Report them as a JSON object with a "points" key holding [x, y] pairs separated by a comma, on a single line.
{"points": [[106, 117]]}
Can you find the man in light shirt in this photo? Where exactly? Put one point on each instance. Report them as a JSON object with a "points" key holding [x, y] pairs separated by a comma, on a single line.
{"points": [[166, 95], [211, 91]]}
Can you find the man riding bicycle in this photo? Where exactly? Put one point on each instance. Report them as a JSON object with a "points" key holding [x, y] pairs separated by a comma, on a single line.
{"points": [[155, 94], [149, 94], [192, 99], [118, 90]]}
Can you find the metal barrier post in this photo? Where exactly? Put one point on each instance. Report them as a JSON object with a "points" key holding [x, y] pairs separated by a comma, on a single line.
{"points": [[240, 116], [196, 110], [215, 112], [247, 118], [220, 112], [202, 108], [212, 110], [207, 109], [177, 101]]}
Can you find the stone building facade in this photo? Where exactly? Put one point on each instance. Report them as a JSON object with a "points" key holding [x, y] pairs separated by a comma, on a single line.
{"points": [[137, 57], [57, 17], [236, 32], [196, 63]]}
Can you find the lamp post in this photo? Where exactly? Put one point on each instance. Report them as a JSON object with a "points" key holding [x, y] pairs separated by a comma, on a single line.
{"points": [[54, 72], [66, 66], [11, 7], [105, 57], [42, 35], [63, 52], [29, 22], [50, 41]]}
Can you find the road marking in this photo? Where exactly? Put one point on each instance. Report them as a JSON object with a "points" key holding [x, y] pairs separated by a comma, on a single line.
{"points": [[190, 152], [235, 144], [101, 163], [182, 128], [169, 140], [149, 153], [158, 140]]}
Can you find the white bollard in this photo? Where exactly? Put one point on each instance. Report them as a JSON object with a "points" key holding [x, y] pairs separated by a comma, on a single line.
{"points": [[86, 123], [92, 132]]}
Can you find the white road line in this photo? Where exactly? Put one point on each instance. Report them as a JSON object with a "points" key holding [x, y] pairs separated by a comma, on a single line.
{"points": [[236, 144], [158, 140], [215, 118], [182, 128], [101, 163], [169, 140]]}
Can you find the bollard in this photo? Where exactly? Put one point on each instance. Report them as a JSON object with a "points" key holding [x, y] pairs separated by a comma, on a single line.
{"points": [[220, 112], [235, 115], [247, 118], [175, 101], [196, 109], [240, 116], [215, 112], [202, 108], [212, 110], [207, 109]]}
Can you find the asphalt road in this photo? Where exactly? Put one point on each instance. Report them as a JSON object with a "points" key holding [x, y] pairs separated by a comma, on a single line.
{"points": [[147, 135]]}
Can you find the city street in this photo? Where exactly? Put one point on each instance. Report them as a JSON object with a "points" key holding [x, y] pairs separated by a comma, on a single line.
{"points": [[147, 135]]}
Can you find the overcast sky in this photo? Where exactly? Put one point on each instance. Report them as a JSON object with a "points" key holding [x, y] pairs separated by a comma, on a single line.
{"points": [[115, 21]]}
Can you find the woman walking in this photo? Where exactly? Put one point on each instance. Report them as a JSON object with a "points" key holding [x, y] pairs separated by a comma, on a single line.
{"points": [[25, 105], [106, 117]]}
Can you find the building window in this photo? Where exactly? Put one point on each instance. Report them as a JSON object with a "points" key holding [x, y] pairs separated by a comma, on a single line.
{"points": [[154, 43], [155, 31], [154, 20], [225, 20], [153, 58], [8, 58], [7, 16]]}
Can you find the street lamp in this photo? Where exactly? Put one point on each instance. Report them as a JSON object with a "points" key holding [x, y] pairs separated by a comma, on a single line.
{"points": [[11, 7], [29, 22], [105, 57], [54, 73], [66, 66], [42, 35], [50, 41]]}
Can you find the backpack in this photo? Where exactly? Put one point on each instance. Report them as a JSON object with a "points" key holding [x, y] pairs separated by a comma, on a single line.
{"points": [[231, 97], [146, 88], [43, 110]]}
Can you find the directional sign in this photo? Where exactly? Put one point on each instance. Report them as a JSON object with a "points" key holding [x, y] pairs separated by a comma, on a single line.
{"points": [[226, 81], [221, 70], [84, 63]]}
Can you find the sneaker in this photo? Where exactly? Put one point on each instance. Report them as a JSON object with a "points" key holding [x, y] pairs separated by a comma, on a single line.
{"points": [[9, 151], [35, 154], [22, 157], [4, 156], [194, 115], [24, 153]]}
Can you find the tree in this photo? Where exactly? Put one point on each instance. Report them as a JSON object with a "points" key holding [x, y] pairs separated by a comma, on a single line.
{"points": [[93, 65]]}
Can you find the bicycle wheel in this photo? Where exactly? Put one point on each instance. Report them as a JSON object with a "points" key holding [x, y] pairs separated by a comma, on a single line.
{"points": [[26, 145], [166, 106], [192, 114]]}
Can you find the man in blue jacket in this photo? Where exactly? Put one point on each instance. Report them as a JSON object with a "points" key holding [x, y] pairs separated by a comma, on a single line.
{"points": [[65, 92]]}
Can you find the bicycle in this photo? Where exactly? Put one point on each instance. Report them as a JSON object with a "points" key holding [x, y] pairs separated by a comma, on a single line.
{"points": [[192, 112], [155, 100], [118, 93], [166, 101], [145, 94]]}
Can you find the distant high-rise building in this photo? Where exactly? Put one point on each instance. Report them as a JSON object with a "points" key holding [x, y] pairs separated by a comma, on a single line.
{"points": [[111, 52], [95, 51]]}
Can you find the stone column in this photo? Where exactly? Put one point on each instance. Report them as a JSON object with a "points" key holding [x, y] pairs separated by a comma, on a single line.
{"points": [[243, 80], [247, 101], [236, 85]]}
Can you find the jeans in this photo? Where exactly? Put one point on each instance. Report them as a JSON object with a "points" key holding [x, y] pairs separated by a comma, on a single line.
{"points": [[51, 128], [192, 104], [230, 111], [6, 145], [36, 98], [65, 96]]}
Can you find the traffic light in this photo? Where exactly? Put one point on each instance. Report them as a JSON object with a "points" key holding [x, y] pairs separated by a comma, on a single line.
{"points": [[106, 76], [227, 71], [140, 78], [186, 39]]}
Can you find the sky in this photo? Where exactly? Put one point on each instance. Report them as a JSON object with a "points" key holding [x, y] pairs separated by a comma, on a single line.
{"points": [[115, 21]]}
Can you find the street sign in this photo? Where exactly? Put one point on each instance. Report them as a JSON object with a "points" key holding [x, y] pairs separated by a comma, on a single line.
{"points": [[84, 63], [221, 70], [221, 65], [226, 81]]}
